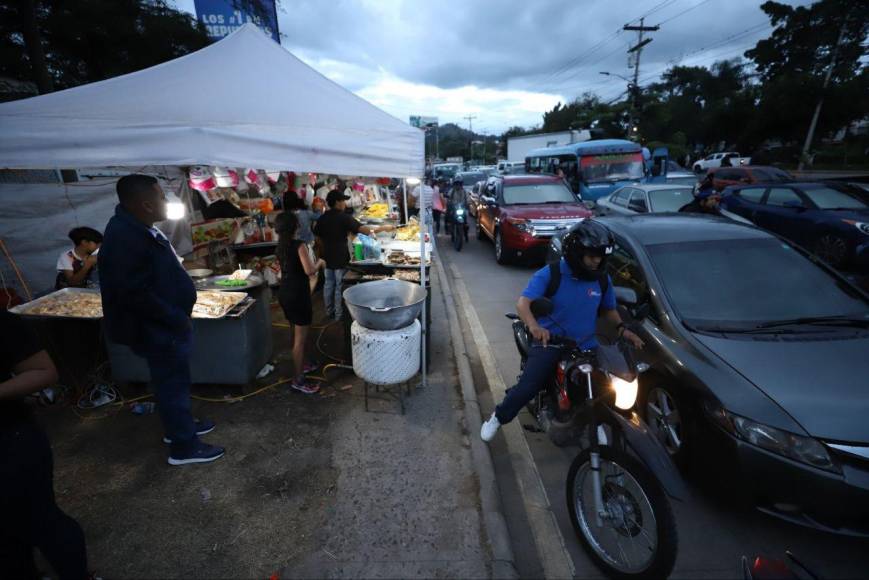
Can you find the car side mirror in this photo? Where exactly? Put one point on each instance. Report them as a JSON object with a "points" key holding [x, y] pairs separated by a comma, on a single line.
{"points": [[542, 307], [625, 296], [488, 200]]}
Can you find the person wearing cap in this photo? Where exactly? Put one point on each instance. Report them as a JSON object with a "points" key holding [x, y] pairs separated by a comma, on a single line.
{"points": [[333, 228], [705, 201]]}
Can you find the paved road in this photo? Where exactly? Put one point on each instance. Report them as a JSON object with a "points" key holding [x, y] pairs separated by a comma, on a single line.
{"points": [[714, 532]]}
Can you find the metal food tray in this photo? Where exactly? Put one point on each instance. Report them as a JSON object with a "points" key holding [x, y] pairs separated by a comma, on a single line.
{"points": [[23, 309], [241, 308], [238, 298]]}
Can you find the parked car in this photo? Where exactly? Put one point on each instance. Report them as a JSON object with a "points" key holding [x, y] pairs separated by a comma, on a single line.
{"points": [[759, 366], [474, 197], [520, 213], [445, 170], [830, 220], [726, 176], [715, 160], [469, 178], [645, 198], [511, 167], [677, 174]]}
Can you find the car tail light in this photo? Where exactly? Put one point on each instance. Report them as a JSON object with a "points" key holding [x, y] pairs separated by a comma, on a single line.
{"points": [[563, 399], [520, 224]]}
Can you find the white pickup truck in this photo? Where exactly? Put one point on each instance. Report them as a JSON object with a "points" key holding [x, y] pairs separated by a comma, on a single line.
{"points": [[715, 159]]}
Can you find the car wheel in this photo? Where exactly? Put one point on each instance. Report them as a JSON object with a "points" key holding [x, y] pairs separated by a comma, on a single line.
{"points": [[666, 417], [698, 169], [502, 254], [832, 249]]}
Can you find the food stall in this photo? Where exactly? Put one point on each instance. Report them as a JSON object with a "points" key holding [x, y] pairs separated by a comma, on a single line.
{"points": [[315, 126]]}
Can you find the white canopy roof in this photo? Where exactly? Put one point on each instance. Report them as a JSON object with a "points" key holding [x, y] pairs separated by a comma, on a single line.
{"points": [[241, 102]]}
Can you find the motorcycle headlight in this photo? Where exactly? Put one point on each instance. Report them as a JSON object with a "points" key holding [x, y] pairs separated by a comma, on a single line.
{"points": [[460, 211], [626, 392], [797, 447]]}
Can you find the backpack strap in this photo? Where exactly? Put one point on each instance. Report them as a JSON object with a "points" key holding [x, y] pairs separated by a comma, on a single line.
{"points": [[554, 279]]}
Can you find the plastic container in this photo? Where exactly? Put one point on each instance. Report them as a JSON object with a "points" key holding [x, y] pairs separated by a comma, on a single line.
{"points": [[358, 251], [145, 408]]}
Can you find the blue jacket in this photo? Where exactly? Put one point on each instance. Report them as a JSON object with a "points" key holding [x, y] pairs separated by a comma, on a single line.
{"points": [[147, 295]]}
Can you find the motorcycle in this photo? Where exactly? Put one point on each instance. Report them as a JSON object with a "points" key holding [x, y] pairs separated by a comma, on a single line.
{"points": [[791, 568], [618, 485], [458, 225]]}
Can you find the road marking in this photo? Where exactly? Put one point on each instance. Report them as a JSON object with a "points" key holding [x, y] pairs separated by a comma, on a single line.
{"points": [[556, 561]]}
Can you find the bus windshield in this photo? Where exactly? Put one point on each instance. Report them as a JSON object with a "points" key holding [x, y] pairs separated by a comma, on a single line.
{"points": [[616, 167]]}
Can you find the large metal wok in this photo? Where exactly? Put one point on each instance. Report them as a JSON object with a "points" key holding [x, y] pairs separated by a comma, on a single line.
{"points": [[385, 304]]}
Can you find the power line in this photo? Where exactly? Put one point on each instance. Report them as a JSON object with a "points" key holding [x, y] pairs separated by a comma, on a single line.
{"points": [[684, 12]]}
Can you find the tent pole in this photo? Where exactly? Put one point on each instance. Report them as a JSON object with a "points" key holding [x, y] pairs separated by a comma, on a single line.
{"points": [[404, 188], [423, 220]]}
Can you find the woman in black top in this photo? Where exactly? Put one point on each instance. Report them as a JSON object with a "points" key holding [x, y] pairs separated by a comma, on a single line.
{"points": [[295, 293]]}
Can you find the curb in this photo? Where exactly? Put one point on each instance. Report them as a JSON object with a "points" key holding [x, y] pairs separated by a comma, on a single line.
{"points": [[548, 540], [503, 564]]}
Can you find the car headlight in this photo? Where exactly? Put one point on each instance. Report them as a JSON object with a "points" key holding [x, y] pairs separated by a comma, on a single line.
{"points": [[520, 224], [797, 447], [626, 392], [862, 226]]}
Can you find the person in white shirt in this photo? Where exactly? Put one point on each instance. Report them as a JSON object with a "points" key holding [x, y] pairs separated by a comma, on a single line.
{"points": [[427, 191], [76, 267]]}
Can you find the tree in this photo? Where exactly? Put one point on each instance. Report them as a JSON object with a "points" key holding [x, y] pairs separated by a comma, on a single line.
{"points": [[59, 44], [793, 61]]}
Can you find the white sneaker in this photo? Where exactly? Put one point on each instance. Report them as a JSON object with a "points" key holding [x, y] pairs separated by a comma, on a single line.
{"points": [[490, 428]]}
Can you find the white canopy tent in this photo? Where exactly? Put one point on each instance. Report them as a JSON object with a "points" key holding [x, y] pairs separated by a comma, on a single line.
{"points": [[242, 102]]}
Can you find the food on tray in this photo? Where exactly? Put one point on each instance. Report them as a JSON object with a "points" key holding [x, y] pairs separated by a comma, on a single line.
{"points": [[376, 211], [406, 275], [240, 274], [408, 233], [73, 304], [215, 304], [230, 283]]}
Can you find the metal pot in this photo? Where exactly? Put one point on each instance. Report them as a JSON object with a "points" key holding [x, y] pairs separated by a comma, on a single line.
{"points": [[200, 273], [385, 304]]}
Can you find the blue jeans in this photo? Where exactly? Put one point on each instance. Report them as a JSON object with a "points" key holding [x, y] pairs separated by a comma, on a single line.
{"points": [[539, 368], [168, 358], [332, 292]]}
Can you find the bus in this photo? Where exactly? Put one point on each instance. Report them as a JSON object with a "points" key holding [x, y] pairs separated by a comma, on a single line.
{"points": [[593, 168]]}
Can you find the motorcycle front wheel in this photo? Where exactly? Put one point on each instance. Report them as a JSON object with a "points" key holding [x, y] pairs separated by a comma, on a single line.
{"points": [[638, 538], [458, 236]]}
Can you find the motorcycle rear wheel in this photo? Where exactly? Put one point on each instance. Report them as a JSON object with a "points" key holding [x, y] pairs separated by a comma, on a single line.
{"points": [[639, 513]]}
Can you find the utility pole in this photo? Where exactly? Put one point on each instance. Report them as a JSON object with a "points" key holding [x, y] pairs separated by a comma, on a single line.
{"points": [[470, 119], [814, 124], [638, 48]]}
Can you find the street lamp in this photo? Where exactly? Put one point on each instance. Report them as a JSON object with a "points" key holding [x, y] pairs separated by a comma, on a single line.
{"points": [[609, 74]]}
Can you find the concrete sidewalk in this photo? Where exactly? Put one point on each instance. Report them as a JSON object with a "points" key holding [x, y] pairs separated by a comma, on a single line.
{"points": [[311, 486]]}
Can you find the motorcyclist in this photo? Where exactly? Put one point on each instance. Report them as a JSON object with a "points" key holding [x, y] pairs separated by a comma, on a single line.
{"points": [[456, 198], [706, 200], [576, 304]]}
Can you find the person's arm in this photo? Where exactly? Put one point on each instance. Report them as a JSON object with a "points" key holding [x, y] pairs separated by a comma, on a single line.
{"points": [[536, 289], [368, 230], [610, 313], [309, 267], [32, 374], [76, 278]]}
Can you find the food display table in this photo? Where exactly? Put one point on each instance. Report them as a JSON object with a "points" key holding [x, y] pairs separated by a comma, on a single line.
{"points": [[226, 351]]}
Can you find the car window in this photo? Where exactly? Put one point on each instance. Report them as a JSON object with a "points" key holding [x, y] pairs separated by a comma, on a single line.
{"points": [[773, 175], [829, 198], [538, 193], [752, 194], [738, 283], [621, 196], [670, 199], [638, 201], [625, 270], [783, 196]]}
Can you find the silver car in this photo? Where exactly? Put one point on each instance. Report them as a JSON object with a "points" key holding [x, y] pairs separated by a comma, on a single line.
{"points": [[645, 198]]}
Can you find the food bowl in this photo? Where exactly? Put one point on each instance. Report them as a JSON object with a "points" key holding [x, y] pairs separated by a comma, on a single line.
{"points": [[385, 304], [200, 273]]}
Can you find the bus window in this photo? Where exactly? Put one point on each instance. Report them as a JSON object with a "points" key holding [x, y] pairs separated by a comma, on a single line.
{"points": [[616, 167]]}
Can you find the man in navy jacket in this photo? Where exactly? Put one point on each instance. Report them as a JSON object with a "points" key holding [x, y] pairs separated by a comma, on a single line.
{"points": [[147, 300]]}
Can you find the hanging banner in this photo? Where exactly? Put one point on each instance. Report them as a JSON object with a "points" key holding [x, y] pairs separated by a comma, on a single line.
{"points": [[223, 17]]}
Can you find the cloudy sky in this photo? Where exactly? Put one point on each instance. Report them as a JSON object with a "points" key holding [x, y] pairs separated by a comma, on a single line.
{"points": [[504, 61]]}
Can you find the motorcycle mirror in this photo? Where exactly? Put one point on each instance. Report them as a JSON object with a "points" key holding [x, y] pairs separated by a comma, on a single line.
{"points": [[542, 307]]}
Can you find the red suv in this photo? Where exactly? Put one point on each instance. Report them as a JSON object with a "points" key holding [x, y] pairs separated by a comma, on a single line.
{"points": [[520, 213]]}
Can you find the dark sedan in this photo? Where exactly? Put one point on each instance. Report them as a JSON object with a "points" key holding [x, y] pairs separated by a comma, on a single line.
{"points": [[830, 220], [759, 362]]}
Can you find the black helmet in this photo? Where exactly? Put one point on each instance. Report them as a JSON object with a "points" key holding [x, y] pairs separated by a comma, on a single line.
{"points": [[587, 237], [458, 181]]}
